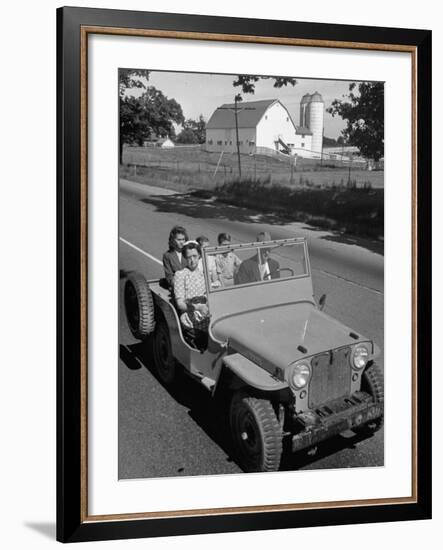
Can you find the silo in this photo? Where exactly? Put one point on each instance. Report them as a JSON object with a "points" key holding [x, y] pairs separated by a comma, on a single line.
{"points": [[304, 111], [315, 111]]}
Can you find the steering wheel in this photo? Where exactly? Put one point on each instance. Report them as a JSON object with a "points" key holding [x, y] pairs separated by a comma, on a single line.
{"points": [[291, 271]]}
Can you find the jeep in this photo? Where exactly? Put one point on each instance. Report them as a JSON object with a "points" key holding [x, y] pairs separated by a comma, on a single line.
{"points": [[287, 370]]}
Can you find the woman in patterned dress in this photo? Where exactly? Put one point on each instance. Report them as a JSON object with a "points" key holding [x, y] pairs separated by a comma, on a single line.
{"points": [[190, 297]]}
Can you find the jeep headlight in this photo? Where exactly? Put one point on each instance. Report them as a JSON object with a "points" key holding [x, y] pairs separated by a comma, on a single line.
{"points": [[300, 375], [360, 357]]}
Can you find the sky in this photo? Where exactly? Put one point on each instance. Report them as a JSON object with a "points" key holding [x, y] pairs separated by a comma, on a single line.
{"points": [[202, 93]]}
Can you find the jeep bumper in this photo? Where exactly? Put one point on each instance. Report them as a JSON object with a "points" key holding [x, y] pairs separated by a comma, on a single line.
{"points": [[333, 418]]}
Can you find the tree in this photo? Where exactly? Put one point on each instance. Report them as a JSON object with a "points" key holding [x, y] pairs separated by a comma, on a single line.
{"points": [[160, 113], [363, 110], [247, 82], [131, 78], [194, 131], [130, 127], [150, 115], [187, 136]]}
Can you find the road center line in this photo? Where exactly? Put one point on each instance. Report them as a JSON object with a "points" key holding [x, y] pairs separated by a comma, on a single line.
{"points": [[141, 251]]}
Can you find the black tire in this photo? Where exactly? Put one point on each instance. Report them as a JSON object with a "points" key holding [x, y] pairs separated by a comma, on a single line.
{"points": [[164, 360], [372, 383], [256, 433], [139, 305]]}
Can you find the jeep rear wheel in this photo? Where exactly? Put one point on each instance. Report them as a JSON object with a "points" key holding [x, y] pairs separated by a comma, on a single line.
{"points": [[139, 306], [256, 433], [372, 383], [163, 357]]}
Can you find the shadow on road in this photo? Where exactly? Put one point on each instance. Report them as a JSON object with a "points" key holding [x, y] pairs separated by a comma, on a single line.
{"points": [[196, 207], [129, 358], [305, 458], [372, 245], [202, 408], [193, 205]]}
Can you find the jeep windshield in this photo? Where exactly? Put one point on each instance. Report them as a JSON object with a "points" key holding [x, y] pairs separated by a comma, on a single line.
{"points": [[255, 263]]}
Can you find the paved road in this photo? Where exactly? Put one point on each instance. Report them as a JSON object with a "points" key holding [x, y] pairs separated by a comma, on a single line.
{"points": [[169, 433]]}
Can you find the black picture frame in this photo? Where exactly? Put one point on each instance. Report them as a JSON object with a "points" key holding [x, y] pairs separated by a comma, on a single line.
{"points": [[73, 523]]}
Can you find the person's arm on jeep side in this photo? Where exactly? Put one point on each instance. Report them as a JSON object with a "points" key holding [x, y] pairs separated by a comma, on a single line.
{"points": [[167, 265], [179, 291], [180, 298]]}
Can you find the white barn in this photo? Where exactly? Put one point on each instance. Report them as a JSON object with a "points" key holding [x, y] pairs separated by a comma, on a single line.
{"points": [[265, 123]]}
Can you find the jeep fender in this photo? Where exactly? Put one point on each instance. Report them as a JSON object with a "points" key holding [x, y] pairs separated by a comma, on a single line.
{"points": [[252, 374]]}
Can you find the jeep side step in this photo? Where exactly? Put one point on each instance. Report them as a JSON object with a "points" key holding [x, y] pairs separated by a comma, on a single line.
{"points": [[205, 381], [208, 383]]}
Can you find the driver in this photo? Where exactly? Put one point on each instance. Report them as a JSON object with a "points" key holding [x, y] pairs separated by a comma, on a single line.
{"points": [[261, 267]]}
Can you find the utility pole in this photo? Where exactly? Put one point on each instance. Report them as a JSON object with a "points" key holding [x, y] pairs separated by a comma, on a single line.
{"points": [[236, 134], [322, 143], [349, 170], [236, 110]]}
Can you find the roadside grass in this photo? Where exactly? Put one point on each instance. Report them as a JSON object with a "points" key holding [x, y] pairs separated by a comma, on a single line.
{"points": [[345, 208], [332, 199]]}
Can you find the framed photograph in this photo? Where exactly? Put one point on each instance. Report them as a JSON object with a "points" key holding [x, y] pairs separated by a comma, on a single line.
{"points": [[244, 252]]}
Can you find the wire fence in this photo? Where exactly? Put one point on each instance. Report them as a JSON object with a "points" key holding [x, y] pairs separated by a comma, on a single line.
{"points": [[201, 168]]}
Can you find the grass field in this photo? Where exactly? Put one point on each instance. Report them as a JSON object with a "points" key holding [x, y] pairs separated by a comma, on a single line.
{"points": [[192, 168]]}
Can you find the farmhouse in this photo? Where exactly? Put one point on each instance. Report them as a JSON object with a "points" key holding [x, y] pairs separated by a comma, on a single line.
{"points": [[261, 124]]}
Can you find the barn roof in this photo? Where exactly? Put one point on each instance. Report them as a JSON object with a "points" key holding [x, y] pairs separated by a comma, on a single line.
{"points": [[248, 117]]}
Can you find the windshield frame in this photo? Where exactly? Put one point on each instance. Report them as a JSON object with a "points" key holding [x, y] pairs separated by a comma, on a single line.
{"points": [[280, 243]]}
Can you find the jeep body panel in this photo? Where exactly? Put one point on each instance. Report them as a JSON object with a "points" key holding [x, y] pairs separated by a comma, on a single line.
{"points": [[279, 336], [251, 374], [202, 365]]}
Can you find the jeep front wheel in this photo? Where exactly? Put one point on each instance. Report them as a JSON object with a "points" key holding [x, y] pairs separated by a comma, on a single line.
{"points": [[163, 357], [372, 383], [256, 433]]}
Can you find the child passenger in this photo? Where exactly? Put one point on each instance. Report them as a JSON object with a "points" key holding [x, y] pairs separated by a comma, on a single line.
{"points": [[227, 264], [210, 260]]}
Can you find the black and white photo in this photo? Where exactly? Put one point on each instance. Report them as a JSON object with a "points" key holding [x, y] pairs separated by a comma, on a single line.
{"points": [[251, 260]]}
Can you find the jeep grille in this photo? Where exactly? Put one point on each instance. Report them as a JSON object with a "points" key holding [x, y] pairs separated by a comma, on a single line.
{"points": [[331, 375]]}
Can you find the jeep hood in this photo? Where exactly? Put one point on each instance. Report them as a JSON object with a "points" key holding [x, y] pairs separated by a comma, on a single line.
{"points": [[283, 334]]}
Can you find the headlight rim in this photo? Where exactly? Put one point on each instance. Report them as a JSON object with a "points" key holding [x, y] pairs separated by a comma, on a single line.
{"points": [[294, 372], [354, 355]]}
